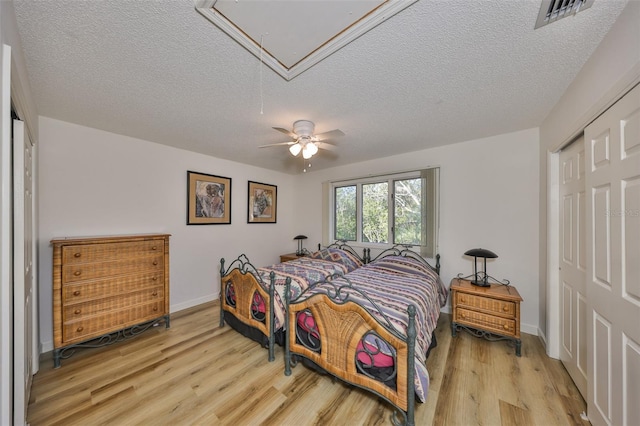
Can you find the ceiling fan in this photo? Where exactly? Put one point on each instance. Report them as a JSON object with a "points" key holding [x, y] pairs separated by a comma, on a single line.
{"points": [[304, 140]]}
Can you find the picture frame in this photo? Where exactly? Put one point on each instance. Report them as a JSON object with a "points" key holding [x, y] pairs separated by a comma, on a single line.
{"points": [[262, 203], [208, 199]]}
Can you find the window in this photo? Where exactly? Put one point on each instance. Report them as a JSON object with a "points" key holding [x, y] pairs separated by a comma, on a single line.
{"points": [[386, 210]]}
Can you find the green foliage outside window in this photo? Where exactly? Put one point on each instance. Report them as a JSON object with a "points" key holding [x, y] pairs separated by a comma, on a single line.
{"points": [[375, 212], [345, 213], [408, 211]]}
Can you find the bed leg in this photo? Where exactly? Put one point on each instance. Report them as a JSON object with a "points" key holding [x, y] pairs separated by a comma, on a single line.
{"points": [[287, 351], [411, 390], [221, 292], [271, 319]]}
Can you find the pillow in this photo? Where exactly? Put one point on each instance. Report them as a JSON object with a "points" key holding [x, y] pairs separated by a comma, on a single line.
{"points": [[347, 259], [405, 265]]}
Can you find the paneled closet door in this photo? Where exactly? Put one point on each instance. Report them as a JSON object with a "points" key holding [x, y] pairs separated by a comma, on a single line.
{"points": [[613, 264], [573, 265], [24, 290]]}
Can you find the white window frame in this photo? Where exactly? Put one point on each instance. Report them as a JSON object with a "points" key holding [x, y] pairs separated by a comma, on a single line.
{"points": [[431, 195]]}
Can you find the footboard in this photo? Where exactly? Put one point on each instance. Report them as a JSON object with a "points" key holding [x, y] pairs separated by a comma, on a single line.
{"points": [[343, 338], [243, 297]]}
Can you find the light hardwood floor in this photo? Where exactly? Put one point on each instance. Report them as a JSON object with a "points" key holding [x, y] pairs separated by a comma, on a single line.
{"points": [[196, 373]]}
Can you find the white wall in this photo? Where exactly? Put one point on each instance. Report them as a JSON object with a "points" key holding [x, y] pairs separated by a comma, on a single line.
{"points": [[612, 69], [488, 198], [98, 183]]}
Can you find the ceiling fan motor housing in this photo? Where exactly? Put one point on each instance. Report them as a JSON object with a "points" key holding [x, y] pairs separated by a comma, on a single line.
{"points": [[303, 128]]}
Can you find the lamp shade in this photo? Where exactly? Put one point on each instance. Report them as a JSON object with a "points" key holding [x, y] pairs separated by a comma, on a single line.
{"points": [[300, 237], [312, 147], [480, 252], [295, 149]]}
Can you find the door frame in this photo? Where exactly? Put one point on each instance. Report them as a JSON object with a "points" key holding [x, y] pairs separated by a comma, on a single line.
{"points": [[617, 91]]}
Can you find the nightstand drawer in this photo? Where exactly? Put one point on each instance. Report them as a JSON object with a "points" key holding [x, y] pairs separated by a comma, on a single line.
{"points": [[487, 322], [486, 304]]}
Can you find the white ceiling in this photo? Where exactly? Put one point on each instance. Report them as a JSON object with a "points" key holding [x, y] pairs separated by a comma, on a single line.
{"points": [[438, 72]]}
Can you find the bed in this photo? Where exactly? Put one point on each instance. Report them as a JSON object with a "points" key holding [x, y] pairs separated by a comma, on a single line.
{"points": [[252, 299], [372, 327]]}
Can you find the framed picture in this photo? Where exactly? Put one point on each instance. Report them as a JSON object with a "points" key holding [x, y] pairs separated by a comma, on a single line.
{"points": [[263, 202], [208, 199]]}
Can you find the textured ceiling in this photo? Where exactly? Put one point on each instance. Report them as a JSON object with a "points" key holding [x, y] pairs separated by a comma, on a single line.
{"points": [[439, 72]]}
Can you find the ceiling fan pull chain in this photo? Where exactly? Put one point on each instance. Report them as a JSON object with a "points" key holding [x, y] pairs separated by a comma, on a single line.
{"points": [[261, 66]]}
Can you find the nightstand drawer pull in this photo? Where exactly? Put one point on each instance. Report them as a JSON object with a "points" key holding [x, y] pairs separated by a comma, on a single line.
{"points": [[154, 248], [76, 293], [506, 327], [77, 273], [155, 263], [77, 254], [79, 329], [77, 311]]}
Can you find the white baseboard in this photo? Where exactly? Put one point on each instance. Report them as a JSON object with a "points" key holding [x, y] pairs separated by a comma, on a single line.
{"points": [[193, 302]]}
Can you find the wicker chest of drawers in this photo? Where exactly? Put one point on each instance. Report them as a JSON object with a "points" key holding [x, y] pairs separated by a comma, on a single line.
{"points": [[105, 285], [492, 312]]}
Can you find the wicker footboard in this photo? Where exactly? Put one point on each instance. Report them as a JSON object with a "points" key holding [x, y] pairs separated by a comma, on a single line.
{"points": [[238, 288], [336, 346]]}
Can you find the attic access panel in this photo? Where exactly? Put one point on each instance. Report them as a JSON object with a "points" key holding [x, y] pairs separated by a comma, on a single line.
{"points": [[296, 35]]}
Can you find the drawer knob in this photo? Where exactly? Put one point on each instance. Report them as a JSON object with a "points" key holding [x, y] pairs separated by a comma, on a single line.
{"points": [[155, 308], [155, 262], [463, 316], [77, 254], [77, 273], [505, 308], [76, 293], [79, 329], [77, 311], [506, 327], [155, 293], [462, 299], [154, 248], [155, 278]]}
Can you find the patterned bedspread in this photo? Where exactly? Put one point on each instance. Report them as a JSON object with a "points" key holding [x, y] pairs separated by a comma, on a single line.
{"points": [[392, 283], [303, 272]]}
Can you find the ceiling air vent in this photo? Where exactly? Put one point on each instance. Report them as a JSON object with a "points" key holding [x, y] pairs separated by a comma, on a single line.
{"points": [[552, 10]]}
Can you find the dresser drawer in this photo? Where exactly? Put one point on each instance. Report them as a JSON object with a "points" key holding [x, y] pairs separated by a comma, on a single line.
{"points": [[488, 304], [98, 289], [87, 271], [110, 251], [94, 307], [491, 323], [84, 329]]}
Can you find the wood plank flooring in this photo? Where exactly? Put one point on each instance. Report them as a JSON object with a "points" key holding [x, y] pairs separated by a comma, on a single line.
{"points": [[196, 373]]}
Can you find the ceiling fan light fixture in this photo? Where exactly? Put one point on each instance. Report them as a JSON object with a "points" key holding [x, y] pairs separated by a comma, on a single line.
{"points": [[295, 149], [306, 153], [313, 149]]}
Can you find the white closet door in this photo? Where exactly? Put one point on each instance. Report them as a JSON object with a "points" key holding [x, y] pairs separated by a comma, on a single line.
{"points": [[613, 265], [23, 285], [573, 265]]}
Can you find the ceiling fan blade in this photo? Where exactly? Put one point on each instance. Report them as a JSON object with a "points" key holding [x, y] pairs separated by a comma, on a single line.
{"points": [[330, 134], [327, 146], [286, 132], [277, 144]]}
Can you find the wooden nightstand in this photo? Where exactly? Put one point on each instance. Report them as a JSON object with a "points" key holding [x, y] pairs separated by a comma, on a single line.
{"points": [[491, 312], [289, 256]]}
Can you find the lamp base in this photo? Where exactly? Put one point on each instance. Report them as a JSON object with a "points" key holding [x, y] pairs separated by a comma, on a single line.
{"points": [[480, 283]]}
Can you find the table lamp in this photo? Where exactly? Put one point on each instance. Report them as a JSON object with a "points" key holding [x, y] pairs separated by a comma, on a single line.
{"points": [[481, 278], [299, 238]]}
